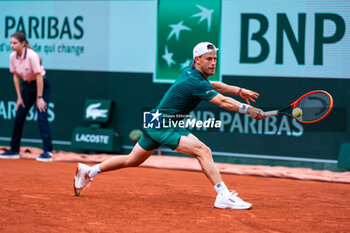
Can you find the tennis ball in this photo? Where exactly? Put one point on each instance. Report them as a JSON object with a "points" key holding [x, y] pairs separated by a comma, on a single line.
{"points": [[135, 135], [297, 112]]}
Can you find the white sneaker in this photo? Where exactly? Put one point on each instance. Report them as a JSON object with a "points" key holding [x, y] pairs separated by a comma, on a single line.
{"points": [[231, 201], [81, 179]]}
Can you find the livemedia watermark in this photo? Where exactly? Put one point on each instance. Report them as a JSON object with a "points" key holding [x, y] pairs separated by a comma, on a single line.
{"points": [[157, 120]]}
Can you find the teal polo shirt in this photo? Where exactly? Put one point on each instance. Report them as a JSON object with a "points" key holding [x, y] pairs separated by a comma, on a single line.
{"points": [[189, 89]]}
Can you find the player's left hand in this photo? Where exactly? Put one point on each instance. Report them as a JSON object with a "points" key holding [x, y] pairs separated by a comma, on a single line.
{"points": [[248, 95], [41, 104]]}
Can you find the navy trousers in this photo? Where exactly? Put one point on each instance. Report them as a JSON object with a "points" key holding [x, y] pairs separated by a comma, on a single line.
{"points": [[29, 96]]}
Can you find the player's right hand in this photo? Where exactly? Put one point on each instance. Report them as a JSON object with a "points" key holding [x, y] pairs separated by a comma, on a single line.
{"points": [[256, 113]]}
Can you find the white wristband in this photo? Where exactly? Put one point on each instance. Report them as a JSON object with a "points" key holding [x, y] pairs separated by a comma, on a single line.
{"points": [[243, 108]]}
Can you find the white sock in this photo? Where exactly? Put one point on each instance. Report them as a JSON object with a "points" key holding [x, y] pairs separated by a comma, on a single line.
{"points": [[94, 171], [221, 189]]}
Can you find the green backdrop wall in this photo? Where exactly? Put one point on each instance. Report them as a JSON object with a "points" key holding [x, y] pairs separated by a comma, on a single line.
{"points": [[132, 93], [131, 51]]}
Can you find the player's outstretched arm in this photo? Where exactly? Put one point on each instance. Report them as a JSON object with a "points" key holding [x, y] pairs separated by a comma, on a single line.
{"points": [[233, 105], [224, 88], [246, 94]]}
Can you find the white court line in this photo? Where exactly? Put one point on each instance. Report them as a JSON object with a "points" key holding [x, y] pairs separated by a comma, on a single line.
{"points": [[256, 156], [56, 142], [226, 154]]}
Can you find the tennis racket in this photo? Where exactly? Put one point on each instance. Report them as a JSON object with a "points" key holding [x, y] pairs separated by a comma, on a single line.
{"points": [[315, 106]]}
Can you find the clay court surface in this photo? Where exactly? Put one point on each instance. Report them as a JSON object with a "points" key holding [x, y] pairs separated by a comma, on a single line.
{"points": [[39, 197]]}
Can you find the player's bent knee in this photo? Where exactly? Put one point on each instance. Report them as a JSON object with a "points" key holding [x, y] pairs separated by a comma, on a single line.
{"points": [[207, 151], [204, 152]]}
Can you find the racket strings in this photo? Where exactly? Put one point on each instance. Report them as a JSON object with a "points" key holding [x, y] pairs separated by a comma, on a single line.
{"points": [[314, 106]]}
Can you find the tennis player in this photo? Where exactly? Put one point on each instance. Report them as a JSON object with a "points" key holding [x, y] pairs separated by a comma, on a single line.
{"points": [[183, 96]]}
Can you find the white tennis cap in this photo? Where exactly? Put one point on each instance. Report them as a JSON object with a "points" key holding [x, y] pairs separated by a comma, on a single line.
{"points": [[203, 48]]}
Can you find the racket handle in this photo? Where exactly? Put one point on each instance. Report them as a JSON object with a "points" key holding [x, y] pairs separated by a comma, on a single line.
{"points": [[271, 113]]}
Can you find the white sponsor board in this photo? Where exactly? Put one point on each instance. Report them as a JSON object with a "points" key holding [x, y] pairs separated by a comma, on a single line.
{"points": [[84, 35], [300, 38], [323, 25]]}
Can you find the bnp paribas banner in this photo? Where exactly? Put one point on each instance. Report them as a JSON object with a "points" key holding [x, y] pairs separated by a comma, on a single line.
{"points": [[83, 35], [299, 38], [181, 25], [290, 38], [60, 32]]}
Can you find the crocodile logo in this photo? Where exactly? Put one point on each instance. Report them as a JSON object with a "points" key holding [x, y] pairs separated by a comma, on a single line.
{"points": [[92, 111]]}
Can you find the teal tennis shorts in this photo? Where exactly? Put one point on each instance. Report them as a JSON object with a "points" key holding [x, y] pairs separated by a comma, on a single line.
{"points": [[153, 138]]}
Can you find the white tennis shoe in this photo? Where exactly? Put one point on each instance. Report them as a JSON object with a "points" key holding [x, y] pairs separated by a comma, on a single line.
{"points": [[231, 201], [81, 179]]}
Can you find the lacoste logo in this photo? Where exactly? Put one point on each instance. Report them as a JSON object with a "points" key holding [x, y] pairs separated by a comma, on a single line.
{"points": [[93, 112]]}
